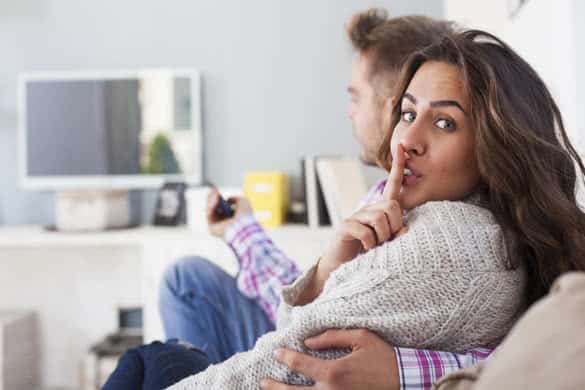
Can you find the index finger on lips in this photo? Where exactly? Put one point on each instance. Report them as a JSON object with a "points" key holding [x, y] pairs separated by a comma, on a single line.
{"points": [[394, 213], [394, 183]]}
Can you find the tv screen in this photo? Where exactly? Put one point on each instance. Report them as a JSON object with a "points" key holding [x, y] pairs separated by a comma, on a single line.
{"points": [[110, 129]]}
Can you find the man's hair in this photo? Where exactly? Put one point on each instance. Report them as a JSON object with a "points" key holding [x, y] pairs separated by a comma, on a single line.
{"points": [[388, 42]]}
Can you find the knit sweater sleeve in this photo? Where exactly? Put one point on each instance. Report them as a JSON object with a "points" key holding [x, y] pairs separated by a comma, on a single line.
{"points": [[443, 285]]}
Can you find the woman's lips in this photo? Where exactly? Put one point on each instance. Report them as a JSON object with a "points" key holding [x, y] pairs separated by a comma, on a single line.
{"points": [[411, 176], [410, 180]]}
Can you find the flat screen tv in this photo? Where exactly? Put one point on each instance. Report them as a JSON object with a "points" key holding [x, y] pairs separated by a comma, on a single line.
{"points": [[122, 129]]}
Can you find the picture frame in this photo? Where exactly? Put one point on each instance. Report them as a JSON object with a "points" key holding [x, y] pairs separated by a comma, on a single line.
{"points": [[170, 205]]}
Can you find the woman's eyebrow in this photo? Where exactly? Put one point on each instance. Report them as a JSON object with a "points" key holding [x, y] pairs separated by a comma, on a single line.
{"points": [[448, 103], [437, 103], [410, 97]]}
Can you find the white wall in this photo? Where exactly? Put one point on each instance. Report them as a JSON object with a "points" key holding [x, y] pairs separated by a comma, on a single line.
{"points": [[491, 16], [274, 73], [579, 43], [544, 34], [578, 17]]}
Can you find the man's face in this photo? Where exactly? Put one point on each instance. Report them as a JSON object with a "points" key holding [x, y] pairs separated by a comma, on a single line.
{"points": [[365, 110]]}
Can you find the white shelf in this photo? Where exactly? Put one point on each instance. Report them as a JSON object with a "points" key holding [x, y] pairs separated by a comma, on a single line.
{"points": [[34, 235]]}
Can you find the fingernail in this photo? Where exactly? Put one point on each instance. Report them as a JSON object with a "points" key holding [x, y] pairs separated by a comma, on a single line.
{"points": [[263, 383], [406, 156], [277, 353]]}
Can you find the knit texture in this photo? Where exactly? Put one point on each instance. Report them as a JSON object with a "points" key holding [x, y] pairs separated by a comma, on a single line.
{"points": [[443, 285]]}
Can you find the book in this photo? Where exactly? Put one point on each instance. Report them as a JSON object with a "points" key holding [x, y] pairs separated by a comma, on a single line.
{"points": [[343, 185], [317, 214]]}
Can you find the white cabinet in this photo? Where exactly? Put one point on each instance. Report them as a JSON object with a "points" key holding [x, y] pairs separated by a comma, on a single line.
{"points": [[76, 281]]}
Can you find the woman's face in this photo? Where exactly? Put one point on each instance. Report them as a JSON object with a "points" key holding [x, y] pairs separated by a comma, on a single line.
{"points": [[435, 131]]}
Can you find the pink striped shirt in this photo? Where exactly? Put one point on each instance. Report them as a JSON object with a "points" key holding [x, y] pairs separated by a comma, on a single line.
{"points": [[264, 269]]}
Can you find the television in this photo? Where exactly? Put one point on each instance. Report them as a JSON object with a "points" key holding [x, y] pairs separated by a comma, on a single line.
{"points": [[109, 130]]}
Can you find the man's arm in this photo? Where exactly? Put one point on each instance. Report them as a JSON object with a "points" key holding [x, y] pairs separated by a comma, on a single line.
{"points": [[264, 268], [372, 364], [419, 369]]}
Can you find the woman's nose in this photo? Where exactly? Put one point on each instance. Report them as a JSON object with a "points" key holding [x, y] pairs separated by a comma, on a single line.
{"points": [[413, 140]]}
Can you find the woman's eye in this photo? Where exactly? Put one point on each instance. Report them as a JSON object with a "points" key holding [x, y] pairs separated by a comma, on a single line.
{"points": [[408, 116], [445, 124]]}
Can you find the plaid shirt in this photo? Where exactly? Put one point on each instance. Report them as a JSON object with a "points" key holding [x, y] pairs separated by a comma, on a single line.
{"points": [[264, 269]]}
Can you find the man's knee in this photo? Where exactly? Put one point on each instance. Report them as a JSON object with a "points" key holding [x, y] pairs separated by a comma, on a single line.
{"points": [[187, 275]]}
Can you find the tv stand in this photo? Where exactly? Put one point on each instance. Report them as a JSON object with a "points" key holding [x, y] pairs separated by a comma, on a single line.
{"points": [[53, 228], [92, 210]]}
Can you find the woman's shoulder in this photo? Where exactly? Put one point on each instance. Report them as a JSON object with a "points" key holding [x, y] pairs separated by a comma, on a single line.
{"points": [[451, 213], [462, 236]]}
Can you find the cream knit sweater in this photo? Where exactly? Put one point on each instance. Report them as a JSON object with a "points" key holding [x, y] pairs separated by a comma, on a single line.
{"points": [[443, 285]]}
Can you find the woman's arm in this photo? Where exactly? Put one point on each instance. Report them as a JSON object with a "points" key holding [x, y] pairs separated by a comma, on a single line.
{"points": [[369, 227], [365, 230]]}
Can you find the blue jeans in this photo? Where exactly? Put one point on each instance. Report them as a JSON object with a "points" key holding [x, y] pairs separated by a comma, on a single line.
{"points": [[201, 304], [156, 366]]}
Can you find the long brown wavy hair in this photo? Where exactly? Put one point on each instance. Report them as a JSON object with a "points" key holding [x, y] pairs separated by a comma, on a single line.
{"points": [[528, 166]]}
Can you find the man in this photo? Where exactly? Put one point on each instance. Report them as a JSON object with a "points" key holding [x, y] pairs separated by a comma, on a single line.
{"points": [[220, 315]]}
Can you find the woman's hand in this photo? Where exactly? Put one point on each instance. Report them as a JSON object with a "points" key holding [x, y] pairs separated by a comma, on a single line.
{"points": [[372, 225], [369, 227]]}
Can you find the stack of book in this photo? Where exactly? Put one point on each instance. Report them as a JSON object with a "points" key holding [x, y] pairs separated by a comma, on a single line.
{"points": [[334, 187], [19, 351], [268, 194]]}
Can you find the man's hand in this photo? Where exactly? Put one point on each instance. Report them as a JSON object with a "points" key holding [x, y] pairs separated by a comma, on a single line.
{"points": [[371, 365], [217, 224]]}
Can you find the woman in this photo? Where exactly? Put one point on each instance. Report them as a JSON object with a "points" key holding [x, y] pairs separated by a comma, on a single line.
{"points": [[478, 226]]}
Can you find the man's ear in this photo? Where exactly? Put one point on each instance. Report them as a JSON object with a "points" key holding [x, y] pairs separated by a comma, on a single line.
{"points": [[387, 113], [389, 105]]}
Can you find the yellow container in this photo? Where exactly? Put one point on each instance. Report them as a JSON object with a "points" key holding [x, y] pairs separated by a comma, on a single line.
{"points": [[268, 193]]}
